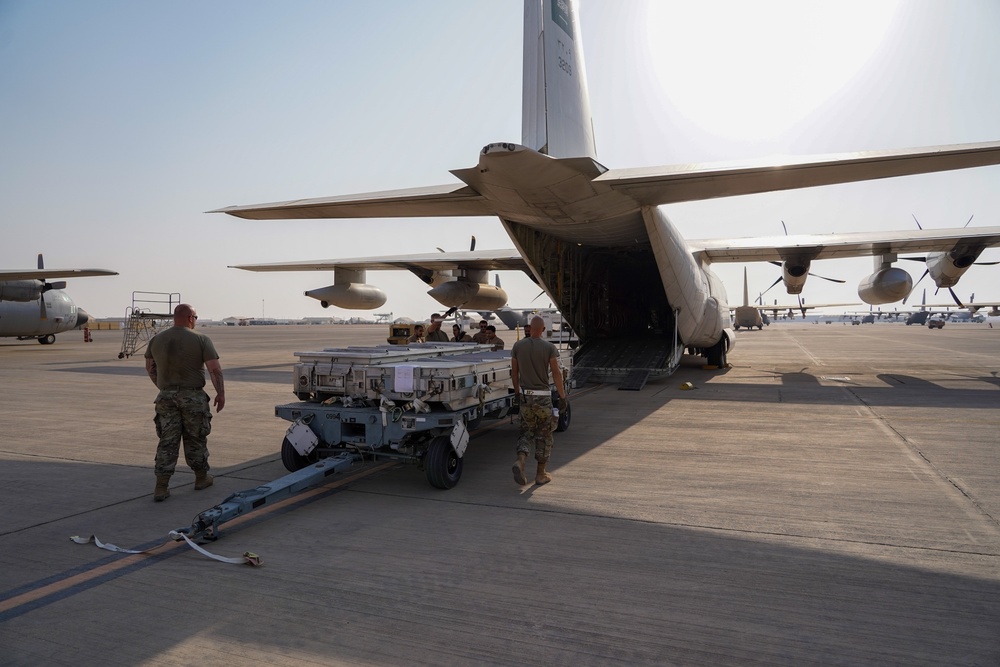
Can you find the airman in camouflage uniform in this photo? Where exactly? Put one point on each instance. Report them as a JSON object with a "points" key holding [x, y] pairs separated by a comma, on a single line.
{"points": [[531, 361], [174, 362]]}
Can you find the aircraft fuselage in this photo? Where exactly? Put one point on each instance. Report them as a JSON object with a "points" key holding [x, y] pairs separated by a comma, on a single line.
{"points": [[575, 234], [22, 319]]}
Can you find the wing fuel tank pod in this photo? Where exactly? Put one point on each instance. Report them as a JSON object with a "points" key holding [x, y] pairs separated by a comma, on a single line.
{"points": [[349, 291], [886, 285]]}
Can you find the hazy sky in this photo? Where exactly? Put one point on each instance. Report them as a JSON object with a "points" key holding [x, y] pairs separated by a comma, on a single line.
{"points": [[121, 122]]}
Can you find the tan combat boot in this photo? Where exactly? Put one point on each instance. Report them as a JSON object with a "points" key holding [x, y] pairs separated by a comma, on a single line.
{"points": [[202, 480], [542, 477], [519, 468], [162, 490]]}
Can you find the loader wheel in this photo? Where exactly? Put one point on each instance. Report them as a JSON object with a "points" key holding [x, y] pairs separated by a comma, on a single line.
{"points": [[442, 463], [564, 417], [290, 458]]}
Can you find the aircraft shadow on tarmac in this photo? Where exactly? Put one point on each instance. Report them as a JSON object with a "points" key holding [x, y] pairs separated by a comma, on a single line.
{"points": [[694, 595], [800, 387]]}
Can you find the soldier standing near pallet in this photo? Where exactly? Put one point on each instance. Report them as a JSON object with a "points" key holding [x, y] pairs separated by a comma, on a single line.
{"points": [[174, 360], [531, 360]]}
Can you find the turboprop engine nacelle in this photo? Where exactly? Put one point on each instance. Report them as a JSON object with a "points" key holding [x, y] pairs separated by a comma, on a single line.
{"points": [[350, 296], [473, 296], [885, 286], [20, 290], [947, 267], [794, 273]]}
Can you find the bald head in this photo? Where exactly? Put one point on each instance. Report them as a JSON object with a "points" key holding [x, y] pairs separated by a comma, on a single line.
{"points": [[184, 315], [537, 326]]}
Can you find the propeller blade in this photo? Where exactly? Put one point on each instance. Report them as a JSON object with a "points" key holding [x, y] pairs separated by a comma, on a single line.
{"points": [[41, 262], [784, 227], [969, 220], [41, 307], [922, 276], [914, 259], [955, 297], [919, 226], [801, 306], [832, 280], [772, 285], [986, 263], [472, 246], [539, 294]]}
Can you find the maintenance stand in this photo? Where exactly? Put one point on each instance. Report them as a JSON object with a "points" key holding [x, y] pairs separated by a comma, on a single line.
{"points": [[150, 313]]}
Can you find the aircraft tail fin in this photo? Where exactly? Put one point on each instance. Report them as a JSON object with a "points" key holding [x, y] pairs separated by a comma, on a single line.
{"points": [[555, 104], [746, 292]]}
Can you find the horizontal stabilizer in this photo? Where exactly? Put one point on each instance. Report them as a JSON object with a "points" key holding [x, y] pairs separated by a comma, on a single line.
{"points": [[650, 186], [441, 200]]}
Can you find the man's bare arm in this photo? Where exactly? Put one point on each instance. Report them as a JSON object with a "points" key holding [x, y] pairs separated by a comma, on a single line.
{"points": [[151, 369], [215, 373], [557, 377]]}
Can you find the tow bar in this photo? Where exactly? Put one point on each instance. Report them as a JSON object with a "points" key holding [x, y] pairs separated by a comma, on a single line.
{"points": [[206, 525]]}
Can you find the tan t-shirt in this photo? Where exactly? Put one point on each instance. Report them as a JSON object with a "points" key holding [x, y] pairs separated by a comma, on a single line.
{"points": [[533, 355], [180, 354]]}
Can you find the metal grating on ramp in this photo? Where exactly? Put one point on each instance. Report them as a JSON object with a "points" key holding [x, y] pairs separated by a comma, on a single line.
{"points": [[581, 375], [634, 360], [635, 380]]}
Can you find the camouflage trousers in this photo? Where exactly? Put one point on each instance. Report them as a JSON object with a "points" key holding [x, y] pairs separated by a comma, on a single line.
{"points": [[537, 424], [182, 414]]}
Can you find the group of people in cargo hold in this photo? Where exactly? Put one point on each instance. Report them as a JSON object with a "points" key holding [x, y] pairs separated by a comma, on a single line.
{"points": [[176, 359]]}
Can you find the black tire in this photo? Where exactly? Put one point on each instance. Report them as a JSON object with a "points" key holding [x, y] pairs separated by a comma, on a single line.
{"points": [[291, 459], [717, 354], [47, 339], [564, 418], [442, 463]]}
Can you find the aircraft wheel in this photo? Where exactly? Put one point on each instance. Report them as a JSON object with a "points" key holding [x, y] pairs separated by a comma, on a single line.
{"points": [[717, 354], [47, 340], [291, 459], [442, 463], [564, 418]]}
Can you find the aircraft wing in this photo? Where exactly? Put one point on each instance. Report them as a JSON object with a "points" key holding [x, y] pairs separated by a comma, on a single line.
{"points": [[804, 306], [492, 260], [441, 200], [832, 246], [693, 182], [42, 274]]}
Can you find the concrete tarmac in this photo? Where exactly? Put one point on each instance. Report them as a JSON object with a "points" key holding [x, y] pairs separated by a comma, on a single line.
{"points": [[831, 499]]}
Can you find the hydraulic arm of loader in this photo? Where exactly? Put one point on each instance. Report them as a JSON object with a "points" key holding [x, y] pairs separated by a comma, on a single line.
{"points": [[206, 525]]}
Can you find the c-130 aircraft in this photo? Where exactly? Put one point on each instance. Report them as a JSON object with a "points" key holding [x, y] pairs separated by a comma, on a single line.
{"points": [[22, 318], [596, 240]]}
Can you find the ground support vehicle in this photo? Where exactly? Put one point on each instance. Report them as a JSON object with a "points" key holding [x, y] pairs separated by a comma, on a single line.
{"points": [[414, 403]]}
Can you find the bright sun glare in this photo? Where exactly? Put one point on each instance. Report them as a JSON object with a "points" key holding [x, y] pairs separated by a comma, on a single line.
{"points": [[761, 71]]}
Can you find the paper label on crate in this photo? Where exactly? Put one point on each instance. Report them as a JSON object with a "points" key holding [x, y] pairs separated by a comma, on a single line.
{"points": [[403, 382]]}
